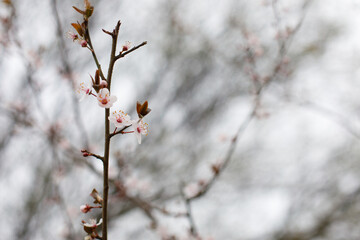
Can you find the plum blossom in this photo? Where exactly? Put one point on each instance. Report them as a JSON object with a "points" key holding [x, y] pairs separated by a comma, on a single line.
{"points": [[120, 119], [104, 98], [72, 36], [92, 223], [84, 89], [140, 128], [76, 38], [90, 227]]}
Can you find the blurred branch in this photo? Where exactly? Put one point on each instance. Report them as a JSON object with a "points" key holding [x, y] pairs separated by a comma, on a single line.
{"points": [[69, 73], [35, 198], [336, 117], [324, 223], [218, 168]]}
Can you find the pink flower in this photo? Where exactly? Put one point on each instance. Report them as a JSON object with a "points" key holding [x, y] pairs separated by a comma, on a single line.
{"points": [[72, 36], [120, 119], [85, 208], [77, 38], [84, 89], [140, 128], [104, 98]]}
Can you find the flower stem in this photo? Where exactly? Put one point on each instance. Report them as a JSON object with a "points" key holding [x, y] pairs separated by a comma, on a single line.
{"points": [[107, 135], [88, 39], [106, 174]]}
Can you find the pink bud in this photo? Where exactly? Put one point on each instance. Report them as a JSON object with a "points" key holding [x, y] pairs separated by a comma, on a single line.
{"points": [[103, 84], [83, 43], [85, 154], [126, 46], [85, 208]]}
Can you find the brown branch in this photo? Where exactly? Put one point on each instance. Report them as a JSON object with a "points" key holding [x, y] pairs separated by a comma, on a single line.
{"points": [[114, 36], [88, 39], [69, 72], [217, 169], [189, 215], [106, 174], [123, 54], [336, 117], [107, 32], [86, 153], [121, 131], [324, 223], [228, 155], [107, 137]]}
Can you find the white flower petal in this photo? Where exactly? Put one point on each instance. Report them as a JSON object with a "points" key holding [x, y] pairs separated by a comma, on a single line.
{"points": [[112, 99], [138, 136], [100, 222]]}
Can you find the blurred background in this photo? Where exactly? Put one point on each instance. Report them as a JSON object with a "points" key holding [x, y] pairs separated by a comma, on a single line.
{"points": [[265, 91]]}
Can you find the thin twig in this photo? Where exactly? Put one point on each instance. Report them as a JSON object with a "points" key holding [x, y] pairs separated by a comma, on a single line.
{"points": [[189, 215], [69, 72], [123, 54], [88, 39], [229, 153], [284, 46], [121, 131]]}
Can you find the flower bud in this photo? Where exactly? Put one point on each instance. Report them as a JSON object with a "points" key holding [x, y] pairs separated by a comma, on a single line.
{"points": [[83, 43], [96, 196], [126, 46], [88, 10], [142, 109], [85, 208], [97, 77], [216, 168], [103, 84]]}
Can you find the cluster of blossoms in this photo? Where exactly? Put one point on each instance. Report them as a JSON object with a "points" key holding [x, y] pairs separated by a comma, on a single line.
{"points": [[90, 227], [100, 89], [120, 119], [76, 38], [80, 28]]}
